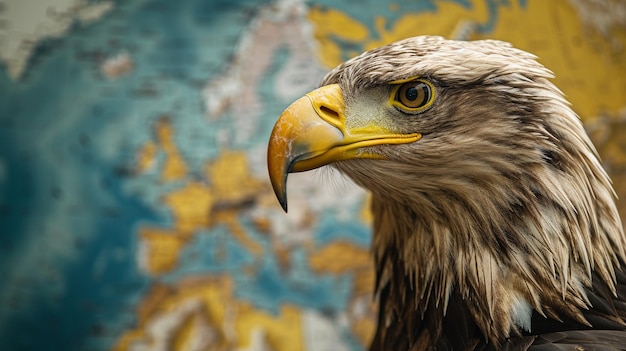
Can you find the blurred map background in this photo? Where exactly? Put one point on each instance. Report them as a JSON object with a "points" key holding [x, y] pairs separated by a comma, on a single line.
{"points": [[135, 207]]}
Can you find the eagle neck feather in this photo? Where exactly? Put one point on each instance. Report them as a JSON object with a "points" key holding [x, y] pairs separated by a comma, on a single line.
{"points": [[425, 277]]}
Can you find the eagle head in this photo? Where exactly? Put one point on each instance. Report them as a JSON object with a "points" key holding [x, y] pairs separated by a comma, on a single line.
{"points": [[489, 201]]}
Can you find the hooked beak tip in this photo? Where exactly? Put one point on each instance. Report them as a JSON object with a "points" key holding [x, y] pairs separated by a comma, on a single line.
{"points": [[283, 203]]}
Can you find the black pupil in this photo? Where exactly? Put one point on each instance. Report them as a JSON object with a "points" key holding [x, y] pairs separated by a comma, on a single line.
{"points": [[411, 93]]}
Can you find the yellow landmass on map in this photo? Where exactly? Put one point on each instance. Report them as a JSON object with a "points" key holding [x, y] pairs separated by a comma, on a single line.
{"points": [[231, 179], [182, 315], [339, 257], [587, 68], [342, 257], [185, 338], [445, 22], [336, 25], [174, 167], [163, 246], [364, 329], [191, 206]]}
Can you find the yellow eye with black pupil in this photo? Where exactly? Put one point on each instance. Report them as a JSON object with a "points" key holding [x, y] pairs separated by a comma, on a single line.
{"points": [[413, 96]]}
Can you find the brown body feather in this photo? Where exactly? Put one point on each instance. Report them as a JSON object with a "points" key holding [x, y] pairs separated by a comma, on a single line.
{"points": [[499, 225]]}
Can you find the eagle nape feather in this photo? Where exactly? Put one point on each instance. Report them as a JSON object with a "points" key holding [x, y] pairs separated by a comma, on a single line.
{"points": [[495, 225]]}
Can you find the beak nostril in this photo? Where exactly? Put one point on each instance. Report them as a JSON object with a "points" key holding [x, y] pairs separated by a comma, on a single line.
{"points": [[329, 112]]}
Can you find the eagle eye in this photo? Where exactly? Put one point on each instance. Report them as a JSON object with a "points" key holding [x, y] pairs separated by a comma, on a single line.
{"points": [[413, 96]]}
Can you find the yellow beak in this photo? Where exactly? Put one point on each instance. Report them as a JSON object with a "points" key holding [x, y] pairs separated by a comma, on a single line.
{"points": [[312, 132]]}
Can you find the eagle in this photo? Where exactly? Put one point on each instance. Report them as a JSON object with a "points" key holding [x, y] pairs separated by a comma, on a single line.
{"points": [[494, 224]]}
